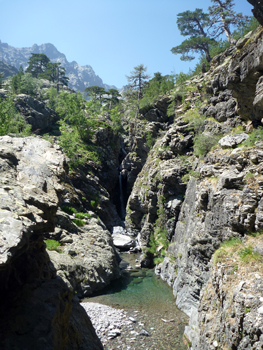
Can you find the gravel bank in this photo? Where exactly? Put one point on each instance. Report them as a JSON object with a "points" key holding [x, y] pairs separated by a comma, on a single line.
{"points": [[113, 325]]}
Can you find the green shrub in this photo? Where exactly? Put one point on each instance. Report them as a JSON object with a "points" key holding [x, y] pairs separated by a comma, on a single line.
{"points": [[171, 109], [158, 260], [79, 222], [25, 83], [204, 142], [249, 176], [115, 116], [83, 215], [150, 139], [69, 210], [232, 242], [247, 254], [93, 204], [192, 173], [11, 122], [256, 135], [155, 88], [153, 244], [52, 244]]}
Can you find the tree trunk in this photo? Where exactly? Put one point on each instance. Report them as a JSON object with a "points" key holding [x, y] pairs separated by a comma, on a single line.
{"points": [[207, 54]]}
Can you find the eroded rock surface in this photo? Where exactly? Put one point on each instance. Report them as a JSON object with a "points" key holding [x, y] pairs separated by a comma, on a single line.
{"points": [[204, 199], [87, 261], [37, 308]]}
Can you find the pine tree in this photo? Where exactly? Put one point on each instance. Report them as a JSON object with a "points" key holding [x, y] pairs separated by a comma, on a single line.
{"points": [[222, 17], [113, 97], [137, 79], [38, 63], [16, 81], [96, 93], [194, 24]]}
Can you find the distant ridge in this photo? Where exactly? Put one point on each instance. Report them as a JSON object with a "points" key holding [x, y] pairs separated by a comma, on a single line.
{"points": [[80, 77]]}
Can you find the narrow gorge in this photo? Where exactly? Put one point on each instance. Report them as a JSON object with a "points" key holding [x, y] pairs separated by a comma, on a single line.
{"points": [[179, 190]]}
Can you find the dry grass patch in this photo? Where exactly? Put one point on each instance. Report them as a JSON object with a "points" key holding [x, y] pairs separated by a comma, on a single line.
{"points": [[240, 255]]}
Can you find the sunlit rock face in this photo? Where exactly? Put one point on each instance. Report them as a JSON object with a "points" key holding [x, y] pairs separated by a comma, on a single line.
{"points": [[207, 199], [38, 310]]}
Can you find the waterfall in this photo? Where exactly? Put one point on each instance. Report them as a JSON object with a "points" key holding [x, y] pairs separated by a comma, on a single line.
{"points": [[122, 201]]}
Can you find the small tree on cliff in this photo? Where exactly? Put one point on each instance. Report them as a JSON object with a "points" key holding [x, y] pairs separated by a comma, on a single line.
{"points": [[138, 78], [194, 24], [136, 81], [222, 16]]}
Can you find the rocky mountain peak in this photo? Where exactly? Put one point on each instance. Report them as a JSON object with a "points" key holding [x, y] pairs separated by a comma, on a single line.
{"points": [[80, 77]]}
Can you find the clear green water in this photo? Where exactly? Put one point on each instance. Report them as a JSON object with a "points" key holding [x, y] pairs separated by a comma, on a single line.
{"points": [[141, 290]]}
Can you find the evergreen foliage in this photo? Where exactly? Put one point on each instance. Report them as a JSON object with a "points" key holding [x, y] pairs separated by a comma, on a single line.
{"points": [[112, 98], [194, 24], [37, 65], [203, 28], [56, 73], [79, 119], [222, 16], [156, 87], [10, 120], [96, 93], [137, 79], [40, 66], [204, 142]]}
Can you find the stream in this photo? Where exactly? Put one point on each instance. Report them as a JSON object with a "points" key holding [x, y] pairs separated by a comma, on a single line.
{"points": [[145, 297]]}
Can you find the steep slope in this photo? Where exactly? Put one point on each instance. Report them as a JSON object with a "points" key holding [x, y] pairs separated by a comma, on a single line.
{"points": [[198, 196], [80, 77]]}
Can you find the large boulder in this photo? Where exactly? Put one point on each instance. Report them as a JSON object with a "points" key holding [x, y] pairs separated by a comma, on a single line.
{"points": [[38, 310], [87, 261]]}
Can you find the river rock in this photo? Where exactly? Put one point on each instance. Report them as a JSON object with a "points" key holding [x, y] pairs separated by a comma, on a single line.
{"points": [[123, 241]]}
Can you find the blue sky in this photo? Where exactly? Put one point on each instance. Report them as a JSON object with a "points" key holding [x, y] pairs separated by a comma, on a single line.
{"points": [[112, 36]]}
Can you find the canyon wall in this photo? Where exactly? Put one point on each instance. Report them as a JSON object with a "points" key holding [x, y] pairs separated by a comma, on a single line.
{"points": [[206, 195]]}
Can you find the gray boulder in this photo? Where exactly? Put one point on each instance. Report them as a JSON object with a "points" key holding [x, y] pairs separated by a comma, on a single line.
{"points": [[231, 141], [87, 262], [122, 241], [38, 310]]}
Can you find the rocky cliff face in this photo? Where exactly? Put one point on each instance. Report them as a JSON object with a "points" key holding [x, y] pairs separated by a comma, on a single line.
{"points": [[80, 77], [206, 197], [38, 310], [195, 185]]}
